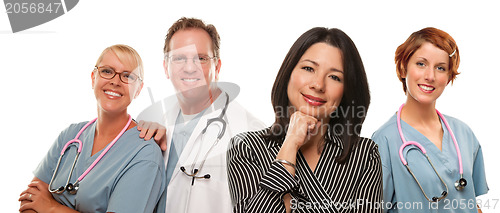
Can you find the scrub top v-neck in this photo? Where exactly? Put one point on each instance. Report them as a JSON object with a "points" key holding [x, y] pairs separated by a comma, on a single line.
{"points": [[401, 192]]}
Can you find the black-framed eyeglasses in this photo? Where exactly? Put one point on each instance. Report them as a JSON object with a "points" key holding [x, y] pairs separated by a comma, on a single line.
{"points": [[109, 73], [182, 59]]}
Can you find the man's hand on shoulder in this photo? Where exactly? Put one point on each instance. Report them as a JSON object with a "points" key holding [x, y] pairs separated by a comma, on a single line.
{"points": [[153, 130]]}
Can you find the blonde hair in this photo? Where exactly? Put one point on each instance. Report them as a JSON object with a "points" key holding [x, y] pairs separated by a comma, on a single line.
{"points": [[127, 56]]}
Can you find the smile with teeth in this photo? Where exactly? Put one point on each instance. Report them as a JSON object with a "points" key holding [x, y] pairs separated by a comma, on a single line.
{"points": [[190, 79], [107, 92], [426, 88]]}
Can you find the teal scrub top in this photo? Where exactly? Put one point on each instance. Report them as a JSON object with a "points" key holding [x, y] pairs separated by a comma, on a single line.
{"points": [[401, 192], [129, 178]]}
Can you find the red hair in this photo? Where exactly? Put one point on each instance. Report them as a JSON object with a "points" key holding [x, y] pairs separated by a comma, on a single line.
{"points": [[438, 38]]}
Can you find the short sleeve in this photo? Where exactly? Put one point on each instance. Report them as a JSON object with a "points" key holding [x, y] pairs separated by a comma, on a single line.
{"points": [[47, 166], [479, 174], [387, 178], [141, 185], [478, 169]]}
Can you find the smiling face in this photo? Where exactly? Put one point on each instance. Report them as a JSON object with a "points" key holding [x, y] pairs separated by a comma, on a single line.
{"points": [[316, 84], [192, 78], [112, 95], [427, 74]]}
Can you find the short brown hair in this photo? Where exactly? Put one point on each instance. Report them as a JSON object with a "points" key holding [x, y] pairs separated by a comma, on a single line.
{"points": [[186, 23], [438, 38]]}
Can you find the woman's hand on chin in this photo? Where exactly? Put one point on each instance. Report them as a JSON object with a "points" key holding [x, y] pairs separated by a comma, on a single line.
{"points": [[301, 128]]}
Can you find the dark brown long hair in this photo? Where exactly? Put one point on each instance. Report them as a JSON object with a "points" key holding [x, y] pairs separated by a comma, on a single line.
{"points": [[356, 93]]}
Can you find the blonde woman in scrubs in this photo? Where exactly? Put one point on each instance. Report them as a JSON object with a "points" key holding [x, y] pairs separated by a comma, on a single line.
{"points": [[130, 177]]}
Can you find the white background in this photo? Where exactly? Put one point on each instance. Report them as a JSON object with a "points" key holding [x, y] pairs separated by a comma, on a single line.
{"points": [[46, 85]]}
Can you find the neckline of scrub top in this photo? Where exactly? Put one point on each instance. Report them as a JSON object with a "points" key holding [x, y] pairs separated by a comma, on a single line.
{"points": [[443, 155], [89, 138]]}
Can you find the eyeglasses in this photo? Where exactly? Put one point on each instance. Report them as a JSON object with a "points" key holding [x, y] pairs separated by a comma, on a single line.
{"points": [[182, 59], [109, 73]]}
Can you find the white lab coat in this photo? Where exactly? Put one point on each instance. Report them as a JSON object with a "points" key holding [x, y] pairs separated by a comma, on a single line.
{"points": [[206, 195]]}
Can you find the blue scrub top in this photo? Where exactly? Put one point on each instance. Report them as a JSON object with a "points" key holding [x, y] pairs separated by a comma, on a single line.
{"points": [[401, 192], [129, 178]]}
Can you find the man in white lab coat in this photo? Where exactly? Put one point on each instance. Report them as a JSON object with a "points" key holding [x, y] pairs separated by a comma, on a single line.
{"points": [[200, 120]]}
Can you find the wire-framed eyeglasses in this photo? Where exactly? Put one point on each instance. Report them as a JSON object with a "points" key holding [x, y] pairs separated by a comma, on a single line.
{"points": [[109, 73], [182, 59]]}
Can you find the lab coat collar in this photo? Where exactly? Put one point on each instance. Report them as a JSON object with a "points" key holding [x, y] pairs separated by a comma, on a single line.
{"points": [[230, 88]]}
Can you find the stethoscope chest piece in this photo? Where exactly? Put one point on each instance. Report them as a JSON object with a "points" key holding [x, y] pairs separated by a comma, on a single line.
{"points": [[72, 188], [460, 184]]}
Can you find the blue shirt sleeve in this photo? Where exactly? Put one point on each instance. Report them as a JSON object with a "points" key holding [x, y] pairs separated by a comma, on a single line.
{"points": [[141, 184], [47, 166], [388, 184], [479, 174], [478, 171]]}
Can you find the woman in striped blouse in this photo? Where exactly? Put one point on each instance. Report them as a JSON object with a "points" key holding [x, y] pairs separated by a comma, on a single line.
{"points": [[312, 158]]}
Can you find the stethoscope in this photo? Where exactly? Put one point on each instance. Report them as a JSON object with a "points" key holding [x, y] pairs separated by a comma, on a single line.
{"points": [[219, 119], [459, 184], [72, 188]]}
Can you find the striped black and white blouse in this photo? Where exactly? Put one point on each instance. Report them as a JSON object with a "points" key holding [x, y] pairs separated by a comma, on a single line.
{"points": [[258, 185]]}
